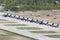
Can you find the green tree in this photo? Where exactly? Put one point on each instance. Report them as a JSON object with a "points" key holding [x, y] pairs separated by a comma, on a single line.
{"points": [[10, 3]]}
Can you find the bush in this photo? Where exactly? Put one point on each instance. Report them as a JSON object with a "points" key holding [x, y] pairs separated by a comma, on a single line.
{"points": [[14, 9], [47, 15], [54, 18], [56, 7]]}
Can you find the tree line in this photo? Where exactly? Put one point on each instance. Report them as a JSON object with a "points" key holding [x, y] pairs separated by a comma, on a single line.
{"points": [[30, 4]]}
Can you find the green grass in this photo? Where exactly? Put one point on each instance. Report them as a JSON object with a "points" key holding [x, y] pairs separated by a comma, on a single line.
{"points": [[6, 22], [5, 37], [42, 31], [29, 28], [12, 33], [2, 20], [54, 36], [16, 25]]}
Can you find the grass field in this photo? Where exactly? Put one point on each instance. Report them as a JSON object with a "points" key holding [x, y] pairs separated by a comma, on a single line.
{"points": [[42, 31], [29, 28], [6, 22], [16, 25], [2, 20], [14, 36], [10, 35], [54, 36]]}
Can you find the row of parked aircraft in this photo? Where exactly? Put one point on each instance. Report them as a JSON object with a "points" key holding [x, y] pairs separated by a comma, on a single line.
{"points": [[41, 22]]}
